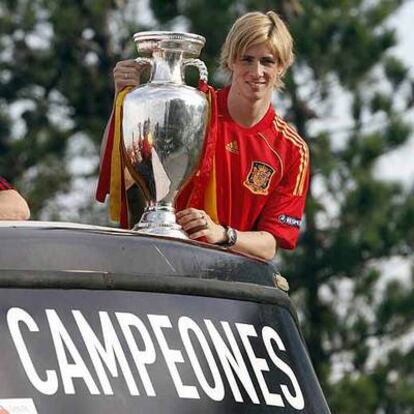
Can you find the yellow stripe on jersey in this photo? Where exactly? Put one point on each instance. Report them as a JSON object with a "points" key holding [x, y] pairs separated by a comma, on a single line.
{"points": [[210, 195], [292, 136]]}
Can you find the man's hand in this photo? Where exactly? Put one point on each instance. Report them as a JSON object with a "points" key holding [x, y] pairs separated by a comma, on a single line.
{"points": [[126, 73], [198, 224]]}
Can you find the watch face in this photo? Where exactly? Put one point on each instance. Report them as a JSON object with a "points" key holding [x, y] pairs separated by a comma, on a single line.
{"points": [[231, 236]]}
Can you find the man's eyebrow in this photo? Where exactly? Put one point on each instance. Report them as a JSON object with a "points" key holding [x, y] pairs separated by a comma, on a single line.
{"points": [[246, 55]]}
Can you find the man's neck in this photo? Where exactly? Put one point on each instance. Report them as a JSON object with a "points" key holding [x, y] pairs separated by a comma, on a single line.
{"points": [[245, 112]]}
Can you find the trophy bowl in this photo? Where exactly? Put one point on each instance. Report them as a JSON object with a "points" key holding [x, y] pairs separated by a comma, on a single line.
{"points": [[163, 126]]}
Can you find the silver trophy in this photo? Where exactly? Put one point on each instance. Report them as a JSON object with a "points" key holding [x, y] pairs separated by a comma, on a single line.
{"points": [[163, 126]]}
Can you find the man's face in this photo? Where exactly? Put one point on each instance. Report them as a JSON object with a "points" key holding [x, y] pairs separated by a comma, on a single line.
{"points": [[255, 73]]}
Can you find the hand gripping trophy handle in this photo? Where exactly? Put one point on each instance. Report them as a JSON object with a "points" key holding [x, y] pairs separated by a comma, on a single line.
{"points": [[163, 126], [142, 61]]}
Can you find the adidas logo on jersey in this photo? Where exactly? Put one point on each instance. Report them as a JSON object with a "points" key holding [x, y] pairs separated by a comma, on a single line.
{"points": [[233, 147]]}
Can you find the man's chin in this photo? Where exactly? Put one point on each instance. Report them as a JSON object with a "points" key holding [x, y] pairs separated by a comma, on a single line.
{"points": [[256, 95]]}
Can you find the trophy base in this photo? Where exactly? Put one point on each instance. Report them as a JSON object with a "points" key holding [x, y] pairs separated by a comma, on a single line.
{"points": [[159, 220]]}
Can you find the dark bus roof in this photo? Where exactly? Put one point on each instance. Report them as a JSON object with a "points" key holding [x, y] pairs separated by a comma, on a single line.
{"points": [[70, 255]]}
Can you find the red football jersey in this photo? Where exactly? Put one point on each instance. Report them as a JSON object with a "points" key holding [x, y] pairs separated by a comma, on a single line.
{"points": [[260, 175]]}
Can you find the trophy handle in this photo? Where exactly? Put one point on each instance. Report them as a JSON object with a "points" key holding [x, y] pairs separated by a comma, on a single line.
{"points": [[200, 65], [145, 62]]}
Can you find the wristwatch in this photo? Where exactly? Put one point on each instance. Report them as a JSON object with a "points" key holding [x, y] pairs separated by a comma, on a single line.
{"points": [[231, 235]]}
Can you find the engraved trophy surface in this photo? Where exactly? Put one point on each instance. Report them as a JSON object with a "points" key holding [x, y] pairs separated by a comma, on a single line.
{"points": [[163, 126]]}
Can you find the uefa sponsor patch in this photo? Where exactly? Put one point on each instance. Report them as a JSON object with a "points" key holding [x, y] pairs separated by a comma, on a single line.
{"points": [[17, 406], [289, 220]]}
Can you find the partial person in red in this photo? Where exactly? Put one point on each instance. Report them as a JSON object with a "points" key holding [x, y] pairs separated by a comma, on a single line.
{"points": [[249, 195], [12, 205]]}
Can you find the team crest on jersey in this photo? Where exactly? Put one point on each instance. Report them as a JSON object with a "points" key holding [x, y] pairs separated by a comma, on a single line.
{"points": [[258, 179]]}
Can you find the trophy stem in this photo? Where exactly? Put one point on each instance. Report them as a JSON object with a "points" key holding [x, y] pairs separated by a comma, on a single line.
{"points": [[159, 219]]}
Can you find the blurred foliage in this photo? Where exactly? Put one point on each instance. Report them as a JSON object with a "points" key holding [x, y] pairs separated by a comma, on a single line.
{"points": [[56, 59]]}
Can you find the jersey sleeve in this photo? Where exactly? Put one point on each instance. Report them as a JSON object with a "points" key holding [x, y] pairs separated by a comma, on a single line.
{"points": [[5, 185], [283, 211]]}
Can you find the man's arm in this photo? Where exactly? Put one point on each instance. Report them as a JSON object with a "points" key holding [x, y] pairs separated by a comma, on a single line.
{"points": [[256, 243], [198, 224], [13, 206]]}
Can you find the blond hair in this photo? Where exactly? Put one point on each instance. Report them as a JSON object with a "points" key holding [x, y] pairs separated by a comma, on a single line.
{"points": [[257, 28]]}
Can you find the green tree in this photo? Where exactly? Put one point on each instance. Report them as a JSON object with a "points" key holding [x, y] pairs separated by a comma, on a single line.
{"points": [[347, 45], [56, 91]]}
